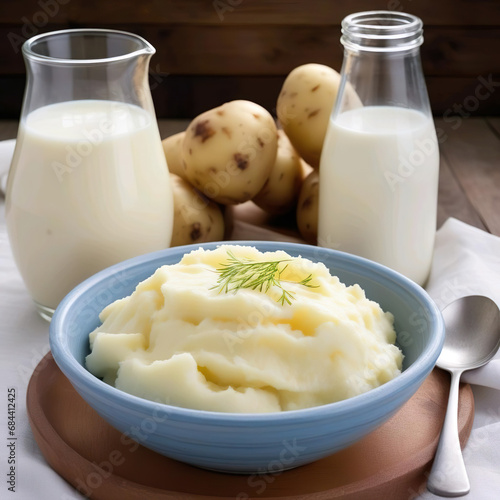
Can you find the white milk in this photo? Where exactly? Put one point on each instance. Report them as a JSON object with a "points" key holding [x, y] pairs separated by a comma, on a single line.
{"points": [[378, 187], [89, 187]]}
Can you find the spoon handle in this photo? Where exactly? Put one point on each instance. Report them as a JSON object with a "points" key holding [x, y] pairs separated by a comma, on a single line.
{"points": [[448, 476]]}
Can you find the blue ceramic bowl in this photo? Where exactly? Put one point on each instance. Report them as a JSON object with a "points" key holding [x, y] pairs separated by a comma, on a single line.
{"points": [[249, 443]]}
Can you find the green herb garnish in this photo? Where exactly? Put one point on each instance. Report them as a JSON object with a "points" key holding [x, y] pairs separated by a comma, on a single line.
{"points": [[261, 276]]}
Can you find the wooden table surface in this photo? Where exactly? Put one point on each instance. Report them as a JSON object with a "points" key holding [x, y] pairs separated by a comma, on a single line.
{"points": [[469, 179]]}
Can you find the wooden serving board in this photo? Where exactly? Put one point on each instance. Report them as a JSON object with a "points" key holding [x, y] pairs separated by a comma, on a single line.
{"points": [[392, 462]]}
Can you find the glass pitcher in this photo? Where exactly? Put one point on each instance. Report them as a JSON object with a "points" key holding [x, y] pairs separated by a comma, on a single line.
{"points": [[380, 161], [88, 185]]}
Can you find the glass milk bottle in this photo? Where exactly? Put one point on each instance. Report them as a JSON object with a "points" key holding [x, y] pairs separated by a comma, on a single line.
{"points": [[380, 160], [89, 184]]}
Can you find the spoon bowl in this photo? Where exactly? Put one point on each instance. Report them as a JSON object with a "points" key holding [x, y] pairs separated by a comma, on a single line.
{"points": [[472, 339], [472, 333]]}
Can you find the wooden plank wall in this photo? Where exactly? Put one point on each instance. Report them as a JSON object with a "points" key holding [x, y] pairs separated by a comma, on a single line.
{"points": [[212, 51]]}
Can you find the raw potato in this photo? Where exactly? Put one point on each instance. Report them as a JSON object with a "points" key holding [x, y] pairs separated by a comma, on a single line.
{"points": [[304, 107], [281, 190], [196, 218], [172, 147], [229, 151], [307, 208], [306, 169]]}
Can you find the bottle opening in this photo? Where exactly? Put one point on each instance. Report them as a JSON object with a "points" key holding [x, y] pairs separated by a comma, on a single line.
{"points": [[84, 46], [381, 31]]}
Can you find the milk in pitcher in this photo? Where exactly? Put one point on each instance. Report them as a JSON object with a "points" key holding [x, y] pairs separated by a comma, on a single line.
{"points": [[91, 188]]}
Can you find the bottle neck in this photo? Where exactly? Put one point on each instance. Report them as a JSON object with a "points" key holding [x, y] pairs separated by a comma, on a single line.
{"points": [[381, 31], [382, 64]]}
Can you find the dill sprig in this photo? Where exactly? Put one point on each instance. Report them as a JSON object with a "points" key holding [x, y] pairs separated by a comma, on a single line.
{"points": [[261, 276]]}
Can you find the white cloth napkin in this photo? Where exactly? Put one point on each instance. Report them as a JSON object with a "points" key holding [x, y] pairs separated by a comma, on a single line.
{"points": [[6, 153], [466, 261]]}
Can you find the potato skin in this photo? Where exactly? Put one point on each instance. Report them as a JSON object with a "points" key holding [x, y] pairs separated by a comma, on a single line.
{"points": [[304, 107], [281, 190], [196, 218], [228, 152], [307, 208], [172, 147]]}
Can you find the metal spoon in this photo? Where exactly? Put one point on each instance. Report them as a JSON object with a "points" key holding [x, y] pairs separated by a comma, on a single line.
{"points": [[472, 339]]}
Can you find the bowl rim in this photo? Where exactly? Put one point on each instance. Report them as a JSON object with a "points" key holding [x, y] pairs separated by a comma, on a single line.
{"points": [[78, 375]]}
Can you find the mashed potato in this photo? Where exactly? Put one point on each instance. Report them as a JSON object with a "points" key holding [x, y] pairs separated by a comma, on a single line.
{"points": [[183, 340]]}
